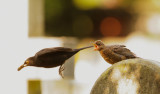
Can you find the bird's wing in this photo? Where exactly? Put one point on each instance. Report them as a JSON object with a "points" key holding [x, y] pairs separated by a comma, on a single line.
{"points": [[53, 51], [122, 50]]}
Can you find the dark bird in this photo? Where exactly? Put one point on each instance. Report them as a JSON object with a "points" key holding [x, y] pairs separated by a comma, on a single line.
{"points": [[113, 53], [51, 57]]}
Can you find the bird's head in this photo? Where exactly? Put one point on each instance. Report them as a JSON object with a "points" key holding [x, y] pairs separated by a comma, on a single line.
{"points": [[28, 62], [98, 45]]}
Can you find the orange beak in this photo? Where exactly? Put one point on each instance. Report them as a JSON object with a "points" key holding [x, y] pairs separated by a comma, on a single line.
{"points": [[21, 67], [95, 47]]}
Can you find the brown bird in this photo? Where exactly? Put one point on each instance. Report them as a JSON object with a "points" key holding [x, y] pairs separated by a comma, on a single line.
{"points": [[113, 53], [51, 57]]}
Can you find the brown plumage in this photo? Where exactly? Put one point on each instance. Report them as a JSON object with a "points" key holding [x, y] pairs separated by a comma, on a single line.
{"points": [[51, 57], [113, 53]]}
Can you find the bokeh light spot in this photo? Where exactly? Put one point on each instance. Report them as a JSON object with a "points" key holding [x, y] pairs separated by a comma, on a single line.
{"points": [[86, 4], [156, 3], [110, 26], [82, 26]]}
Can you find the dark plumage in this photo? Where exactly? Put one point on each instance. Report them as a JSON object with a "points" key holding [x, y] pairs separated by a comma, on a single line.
{"points": [[51, 57], [113, 53]]}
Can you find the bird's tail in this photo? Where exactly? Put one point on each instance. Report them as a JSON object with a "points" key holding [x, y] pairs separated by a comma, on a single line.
{"points": [[83, 48]]}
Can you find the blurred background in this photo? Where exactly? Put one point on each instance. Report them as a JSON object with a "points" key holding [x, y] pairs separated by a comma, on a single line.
{"points": [[26, 26]]}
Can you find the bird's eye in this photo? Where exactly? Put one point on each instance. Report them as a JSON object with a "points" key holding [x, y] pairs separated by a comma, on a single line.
{"points": [[98, 44], [27, 62]]}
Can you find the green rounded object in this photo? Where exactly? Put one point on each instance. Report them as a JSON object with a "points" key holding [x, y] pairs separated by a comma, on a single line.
{"points": [[132, 76]]}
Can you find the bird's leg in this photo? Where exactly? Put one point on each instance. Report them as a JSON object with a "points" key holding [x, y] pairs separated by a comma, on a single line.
{"points": [[61, 70]]}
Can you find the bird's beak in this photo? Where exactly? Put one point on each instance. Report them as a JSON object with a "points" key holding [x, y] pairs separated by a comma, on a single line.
{"points": [[95, 47], [22, 66]]}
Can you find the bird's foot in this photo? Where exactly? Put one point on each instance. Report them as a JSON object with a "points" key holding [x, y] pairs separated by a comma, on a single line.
{"points": [[61, 71]]}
